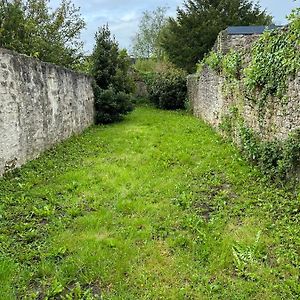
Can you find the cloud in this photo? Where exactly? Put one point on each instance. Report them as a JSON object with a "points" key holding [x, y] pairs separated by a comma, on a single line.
{"points": [[129, 17], [123, 16]]}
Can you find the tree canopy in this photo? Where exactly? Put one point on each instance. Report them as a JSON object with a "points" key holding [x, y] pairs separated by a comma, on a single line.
{"points": [[146, 41], [31, 27], [189, 36]]}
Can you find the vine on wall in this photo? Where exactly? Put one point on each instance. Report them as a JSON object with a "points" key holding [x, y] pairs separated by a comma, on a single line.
{"points": [[276, 159], [274, 59]]}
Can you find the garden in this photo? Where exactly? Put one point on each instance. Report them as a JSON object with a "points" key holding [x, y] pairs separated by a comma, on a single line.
{"points": [[150, 202]]}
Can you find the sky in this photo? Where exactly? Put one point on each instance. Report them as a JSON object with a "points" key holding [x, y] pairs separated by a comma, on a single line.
{"points": [[123, 16]]}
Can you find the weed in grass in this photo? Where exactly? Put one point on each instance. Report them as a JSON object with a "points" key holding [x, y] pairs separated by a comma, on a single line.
{"points": [[155, 207]]}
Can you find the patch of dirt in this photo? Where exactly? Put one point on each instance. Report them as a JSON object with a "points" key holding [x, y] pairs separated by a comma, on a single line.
{"points": [[207, 205]]}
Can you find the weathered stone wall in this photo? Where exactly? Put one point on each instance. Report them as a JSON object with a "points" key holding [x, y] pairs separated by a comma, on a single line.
{"points": [[208, 100], [40, 105], [203, 92], [141, 89], [209, 103], [225, 42]]}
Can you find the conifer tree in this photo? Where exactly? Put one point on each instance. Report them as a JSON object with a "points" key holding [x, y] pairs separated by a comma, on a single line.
{"points": [[110, 69], [193, 32]]}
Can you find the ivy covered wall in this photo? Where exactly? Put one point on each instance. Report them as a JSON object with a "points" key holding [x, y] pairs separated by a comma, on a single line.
{"points": [[248, 88]]}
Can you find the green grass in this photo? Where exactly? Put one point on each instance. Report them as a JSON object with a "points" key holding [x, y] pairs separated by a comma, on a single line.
{"points": [[155, 207]]}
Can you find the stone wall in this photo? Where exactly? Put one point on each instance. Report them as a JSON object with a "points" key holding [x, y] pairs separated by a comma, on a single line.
{"points": [[225, 42], [40, 105], [208, 100], [141, 89]]}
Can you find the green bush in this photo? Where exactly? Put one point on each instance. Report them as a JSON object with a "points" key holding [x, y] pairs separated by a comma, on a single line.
{"points": [[152, 65], [145, 65], [213, 59], [228, 65], [111, 105], [276, 159], [123, 78], [168, 90]]}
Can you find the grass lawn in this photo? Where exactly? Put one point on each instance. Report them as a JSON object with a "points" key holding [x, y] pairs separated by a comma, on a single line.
{"points": [[155, 207]]}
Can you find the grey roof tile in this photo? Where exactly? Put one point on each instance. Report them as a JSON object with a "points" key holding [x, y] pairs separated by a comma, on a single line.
{"points": [[245, 30]]}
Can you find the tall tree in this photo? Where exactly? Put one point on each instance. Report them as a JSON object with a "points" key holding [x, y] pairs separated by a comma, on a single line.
{"points": [[110, 68], [33, 28], [104, 58], [13, 33], [146, 41], [193, 32]]}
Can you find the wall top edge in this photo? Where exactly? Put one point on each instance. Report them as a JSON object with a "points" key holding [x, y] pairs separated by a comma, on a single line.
{"points": [[43, 63]]}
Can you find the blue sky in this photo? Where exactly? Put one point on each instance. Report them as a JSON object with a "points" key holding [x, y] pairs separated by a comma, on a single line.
{"points": [[123, 15]]}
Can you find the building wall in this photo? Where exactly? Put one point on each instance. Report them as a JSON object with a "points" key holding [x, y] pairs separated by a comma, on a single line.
{"points": [[40, 105]]}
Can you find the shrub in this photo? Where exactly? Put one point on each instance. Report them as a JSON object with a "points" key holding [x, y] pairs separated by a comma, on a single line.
{"points": [[151, 65], [145, 65], [231, 64], [276, 159], [123, 79], [168, 89], [111, 105], [213, 60], [228, 65]]}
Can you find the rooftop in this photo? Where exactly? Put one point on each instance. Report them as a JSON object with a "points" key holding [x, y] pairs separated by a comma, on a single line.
{"points": [[245, 30]]}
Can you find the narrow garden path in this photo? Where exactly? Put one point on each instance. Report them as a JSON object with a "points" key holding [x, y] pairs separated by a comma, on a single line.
{"points": [[155, 207]]}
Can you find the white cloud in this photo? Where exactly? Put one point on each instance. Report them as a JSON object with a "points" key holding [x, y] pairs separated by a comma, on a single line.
{"points": [[129, 17], [123, 16]]}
